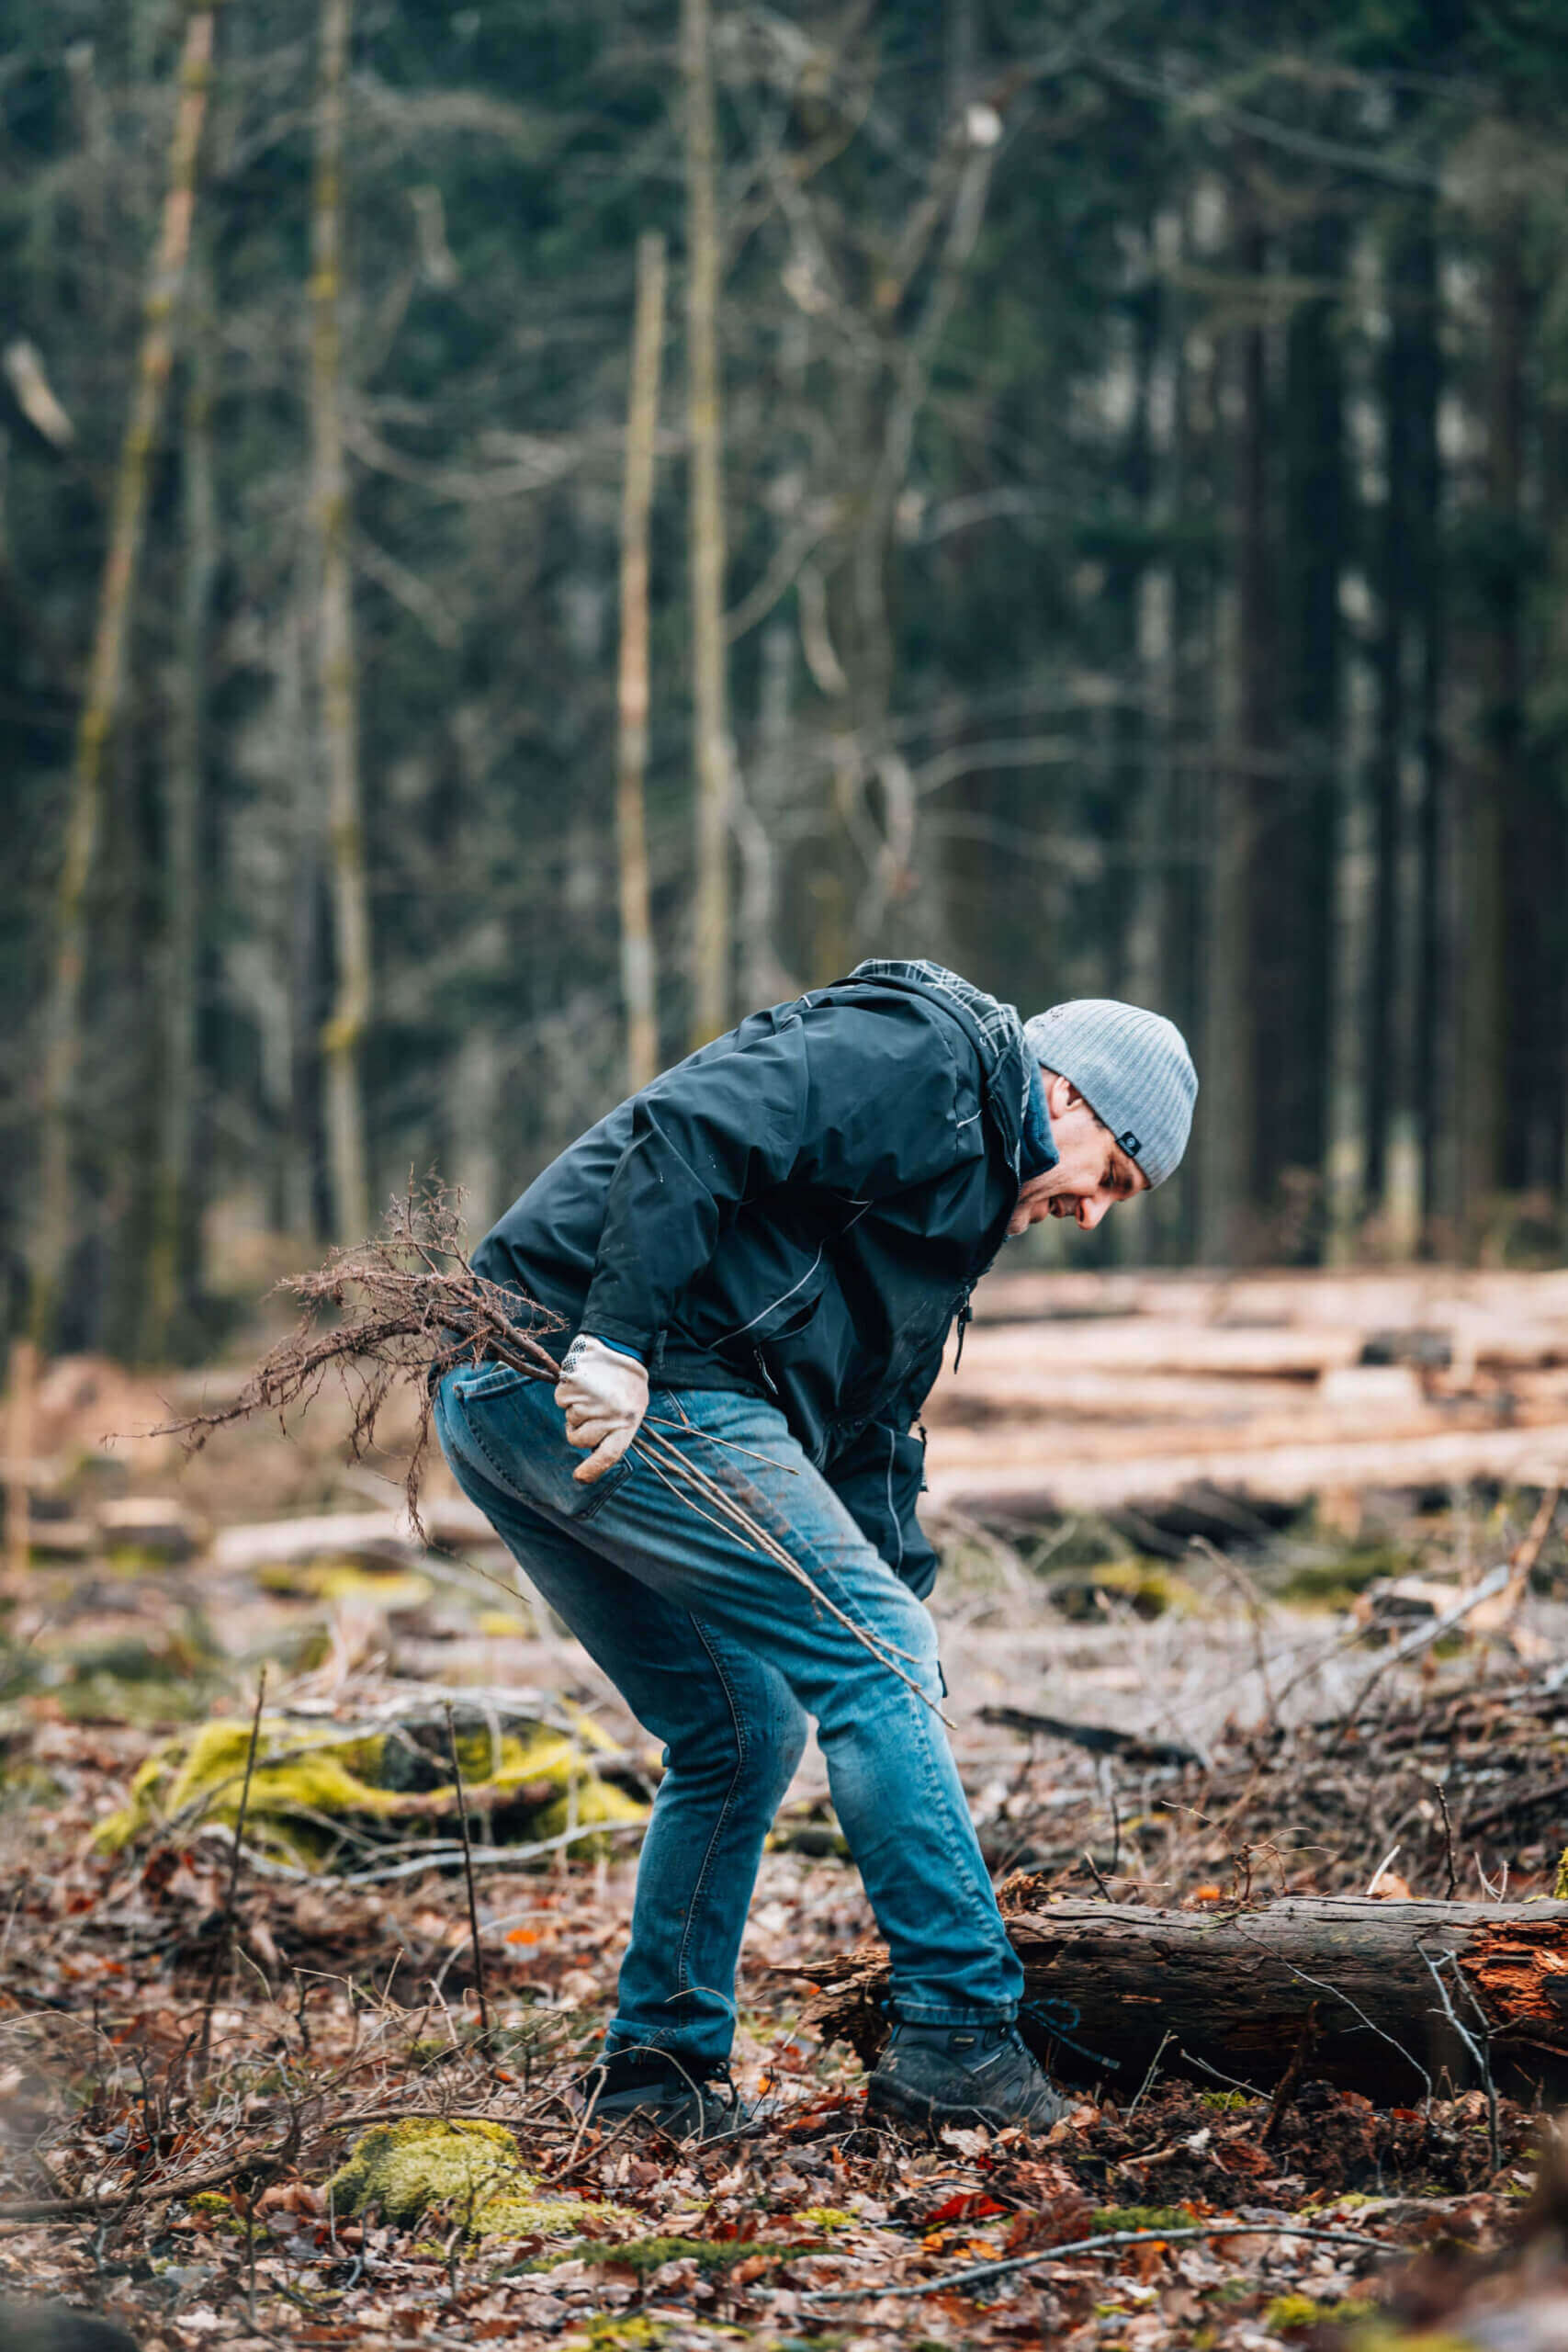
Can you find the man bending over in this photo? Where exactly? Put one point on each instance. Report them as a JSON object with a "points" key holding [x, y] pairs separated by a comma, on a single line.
{"points": [[772, 1242]]}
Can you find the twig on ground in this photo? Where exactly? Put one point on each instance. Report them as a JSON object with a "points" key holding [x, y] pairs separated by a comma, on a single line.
{"points": [[1107, 1777], [1442, 1795], [225, 1953], [1285, 2091], [1521, 1567], [1251, 1599], [1386, 1865], [1143, 2086], [1412, 1646], [1480, 2051], [265, 2161], [468, 1881], [1104, 2239], [1232, 2082]]}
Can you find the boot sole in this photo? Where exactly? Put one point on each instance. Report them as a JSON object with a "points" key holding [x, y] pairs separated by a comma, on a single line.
{"points": [[680, 2123], [889, 2103]]}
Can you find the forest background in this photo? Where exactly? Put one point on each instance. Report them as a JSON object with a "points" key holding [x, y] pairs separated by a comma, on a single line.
{"points": [[1080, 492]]}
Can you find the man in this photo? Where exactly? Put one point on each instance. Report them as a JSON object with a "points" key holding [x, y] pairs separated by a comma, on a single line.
{"points": [[764, 1252]]}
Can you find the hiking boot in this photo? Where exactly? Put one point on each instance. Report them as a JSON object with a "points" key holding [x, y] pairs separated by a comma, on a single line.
{"points": [[662, 2091], [962, 2073]]}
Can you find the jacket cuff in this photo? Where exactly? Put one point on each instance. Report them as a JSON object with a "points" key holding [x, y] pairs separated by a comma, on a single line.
{"points": [[622, 1347], [616, 1334]]}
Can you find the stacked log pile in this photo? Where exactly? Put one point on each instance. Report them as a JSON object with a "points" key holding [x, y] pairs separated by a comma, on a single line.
{"points": [[1093, 1393]]}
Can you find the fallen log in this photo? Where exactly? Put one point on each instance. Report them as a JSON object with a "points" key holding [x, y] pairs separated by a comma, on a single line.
{"points": [[348, 1535], [1100, 1739], [1397, 2000]]}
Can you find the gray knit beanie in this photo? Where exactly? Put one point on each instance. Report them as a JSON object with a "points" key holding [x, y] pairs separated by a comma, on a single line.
{"points": [[1132, 1068]]}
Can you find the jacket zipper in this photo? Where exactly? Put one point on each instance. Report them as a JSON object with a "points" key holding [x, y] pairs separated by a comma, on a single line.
{"points": [[966, 1317]]}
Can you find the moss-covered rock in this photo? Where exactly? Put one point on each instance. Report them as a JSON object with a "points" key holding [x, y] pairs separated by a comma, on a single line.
{"points": [[309, 1788], [473, 2173]]}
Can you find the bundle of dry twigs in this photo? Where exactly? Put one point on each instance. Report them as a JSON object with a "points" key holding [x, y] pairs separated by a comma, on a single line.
{"points": [[401, 1309], [408, 1308]]}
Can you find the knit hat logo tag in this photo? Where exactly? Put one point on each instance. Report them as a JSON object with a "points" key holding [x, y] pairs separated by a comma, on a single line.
{"points": [[1129, 1142]]}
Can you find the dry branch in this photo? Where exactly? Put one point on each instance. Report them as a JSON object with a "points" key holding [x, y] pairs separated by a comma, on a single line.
{"points": [[405, 1308], [1238, 1990]]}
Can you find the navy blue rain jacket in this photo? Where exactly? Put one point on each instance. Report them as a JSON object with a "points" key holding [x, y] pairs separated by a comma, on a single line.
{"points": [[799, 1209]]}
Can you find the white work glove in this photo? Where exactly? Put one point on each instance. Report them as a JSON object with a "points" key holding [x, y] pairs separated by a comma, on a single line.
{"points": [[604, 1395]]}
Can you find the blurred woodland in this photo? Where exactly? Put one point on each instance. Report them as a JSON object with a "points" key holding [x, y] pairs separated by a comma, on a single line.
{"points": [[1080, 493]]}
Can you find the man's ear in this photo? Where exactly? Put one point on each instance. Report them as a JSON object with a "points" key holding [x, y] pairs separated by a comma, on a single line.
{"points": [[1060, 1092]]}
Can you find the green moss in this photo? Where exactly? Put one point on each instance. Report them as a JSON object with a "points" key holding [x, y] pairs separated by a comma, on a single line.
{"points": [[647, 2255], [473, 2173], [1287, 2313], [1148, 1586], [214, 2206], [627, 2332], [304, 1783], [1141, 2217], [344, 1580], [1333, 1584], [1151, 1588], [828, 2217], [1290, 2311], [1226, 2102], [596, 1801], [144, 1703], [1375, 2335]]}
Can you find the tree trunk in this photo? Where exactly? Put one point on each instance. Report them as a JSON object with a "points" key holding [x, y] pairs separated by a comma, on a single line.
{"points": [[1491, 780], [1365, 1991], [1354, 899], [57, 1198], [342, 1037], [714, 752], [174, 1271], [1405, 780], [1248, 653], [638, 981], [1312, 922]]}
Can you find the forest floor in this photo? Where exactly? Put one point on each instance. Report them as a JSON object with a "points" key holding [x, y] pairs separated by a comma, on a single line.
{"points": [[191, 2051]]}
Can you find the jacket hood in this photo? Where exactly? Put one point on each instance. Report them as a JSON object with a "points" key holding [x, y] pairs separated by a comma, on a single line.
{"points": [[995, 1028]]}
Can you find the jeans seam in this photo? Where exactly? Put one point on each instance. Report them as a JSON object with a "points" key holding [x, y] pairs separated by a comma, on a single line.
{"points": [[699, 1891], [808, 1555]]}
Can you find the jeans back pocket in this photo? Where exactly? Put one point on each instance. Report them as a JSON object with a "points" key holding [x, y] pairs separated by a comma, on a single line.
{"points": [[509, 1426]]}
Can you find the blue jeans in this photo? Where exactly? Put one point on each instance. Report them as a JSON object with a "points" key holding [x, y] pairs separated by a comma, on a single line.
{"points": [[723, 1657]]}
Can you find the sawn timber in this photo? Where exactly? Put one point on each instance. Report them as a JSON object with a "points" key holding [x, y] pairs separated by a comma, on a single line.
{"points": [[1360, 1982]]}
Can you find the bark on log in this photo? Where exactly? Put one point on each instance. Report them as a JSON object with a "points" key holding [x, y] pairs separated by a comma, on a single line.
{"points": [[1236, 1991]]}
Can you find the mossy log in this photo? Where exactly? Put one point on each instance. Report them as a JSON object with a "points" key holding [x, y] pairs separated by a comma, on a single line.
{"points": [[317, 1792], [1388, 1998]]}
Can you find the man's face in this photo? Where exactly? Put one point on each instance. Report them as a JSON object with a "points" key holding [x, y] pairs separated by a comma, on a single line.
{"points": [[1092, 1173]]}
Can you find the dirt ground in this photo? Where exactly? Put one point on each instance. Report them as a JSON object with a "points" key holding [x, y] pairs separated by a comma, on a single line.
{"points": [[190, 2049]]}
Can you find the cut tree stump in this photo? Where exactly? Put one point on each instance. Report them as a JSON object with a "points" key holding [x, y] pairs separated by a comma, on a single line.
{"points": [[1236, 1994]]}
